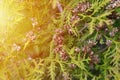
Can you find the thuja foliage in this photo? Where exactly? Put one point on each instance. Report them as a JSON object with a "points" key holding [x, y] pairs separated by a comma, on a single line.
{"points": [[60, 40]]}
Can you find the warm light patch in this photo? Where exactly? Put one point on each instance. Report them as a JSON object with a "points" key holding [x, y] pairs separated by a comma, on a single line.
{"points": [[3, 15], [9, 14]]}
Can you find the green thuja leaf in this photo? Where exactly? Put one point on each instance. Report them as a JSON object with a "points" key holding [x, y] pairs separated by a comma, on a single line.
{"points": [[52, 73]]}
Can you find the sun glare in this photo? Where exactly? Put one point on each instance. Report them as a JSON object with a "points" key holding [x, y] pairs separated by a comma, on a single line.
{"points": [[9, 14], [3, 18], [3, 15]]}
